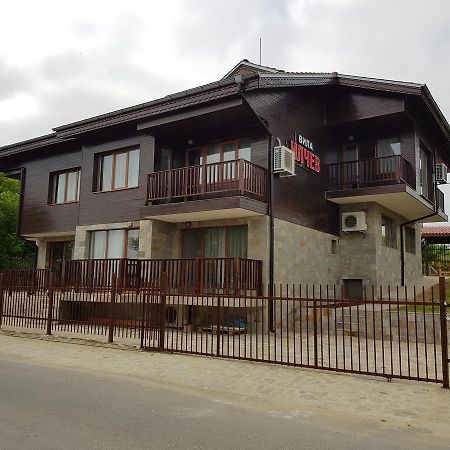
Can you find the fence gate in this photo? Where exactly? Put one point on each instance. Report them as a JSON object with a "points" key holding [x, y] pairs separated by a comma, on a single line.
{"points": [[153, 320]]}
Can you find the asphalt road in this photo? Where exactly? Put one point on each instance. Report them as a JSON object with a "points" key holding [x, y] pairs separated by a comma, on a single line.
{"points": [[50, 408]]}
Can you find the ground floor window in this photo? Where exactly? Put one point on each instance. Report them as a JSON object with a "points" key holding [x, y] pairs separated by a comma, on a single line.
{"points": [[410, 240], [353, 288], [388, 232], [110, 244], [215, 242]]}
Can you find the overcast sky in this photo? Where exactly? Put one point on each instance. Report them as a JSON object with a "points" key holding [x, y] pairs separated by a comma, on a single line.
{"points": [[65, 61]]}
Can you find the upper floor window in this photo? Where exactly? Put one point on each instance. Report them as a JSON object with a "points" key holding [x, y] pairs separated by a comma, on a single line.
{"points": [[388, 147], [388, 232], [220, 152], [117, 170], [114, 244], [65, 186], [425, 167]]}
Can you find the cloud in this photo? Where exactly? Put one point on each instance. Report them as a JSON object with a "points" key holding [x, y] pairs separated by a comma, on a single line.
{"points": [[71, 63]]}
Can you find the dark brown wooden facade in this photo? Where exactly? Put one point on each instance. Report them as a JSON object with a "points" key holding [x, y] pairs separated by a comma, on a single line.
{"points": [[330, 112]]}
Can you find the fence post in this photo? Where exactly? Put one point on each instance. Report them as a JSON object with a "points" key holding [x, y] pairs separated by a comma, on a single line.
{"points": [[112, 308], [143, 316], [2, 278], [218, 328], [164, 284], [316, 360], [444, 337], [236, 276], [50, 303]]}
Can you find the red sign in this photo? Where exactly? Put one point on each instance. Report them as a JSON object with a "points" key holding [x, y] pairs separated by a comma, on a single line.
{"points": [[306, 158]]}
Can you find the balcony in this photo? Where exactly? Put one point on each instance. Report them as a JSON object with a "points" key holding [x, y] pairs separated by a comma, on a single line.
{"points": [[389, 181], [369, 173], [184, 276], [219, 190]]}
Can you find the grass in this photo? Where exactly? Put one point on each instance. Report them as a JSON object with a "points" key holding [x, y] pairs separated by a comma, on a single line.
{"points": [[435, 296]]}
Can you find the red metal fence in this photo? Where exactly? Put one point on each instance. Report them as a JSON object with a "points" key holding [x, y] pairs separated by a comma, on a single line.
{"points": [[393, 333], [239, 177]]}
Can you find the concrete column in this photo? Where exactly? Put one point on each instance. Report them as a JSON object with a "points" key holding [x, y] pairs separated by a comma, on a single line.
{"points": [[42, 255]]}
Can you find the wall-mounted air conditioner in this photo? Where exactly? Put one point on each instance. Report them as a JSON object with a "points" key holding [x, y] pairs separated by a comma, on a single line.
{"points": [[354, 221], [176, 316], [283, 161], [441, 173]]}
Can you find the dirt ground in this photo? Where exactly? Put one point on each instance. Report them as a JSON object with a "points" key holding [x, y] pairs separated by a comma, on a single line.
{"points": [[344, 400]]}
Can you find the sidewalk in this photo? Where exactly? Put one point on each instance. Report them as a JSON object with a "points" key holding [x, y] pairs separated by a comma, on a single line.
{"points": [[341, 399]]}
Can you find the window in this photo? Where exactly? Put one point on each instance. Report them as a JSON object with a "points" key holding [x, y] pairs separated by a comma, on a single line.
{"points": [[353, 289], [225, 151], [64, 186], [410, 240], [388, 147], [114, 244], [334, 246], [388, 232], [118, 170], [425, 172], [217, 242]]}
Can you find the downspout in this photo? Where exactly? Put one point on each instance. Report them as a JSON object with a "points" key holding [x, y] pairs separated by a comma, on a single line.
{"points": [[270, 292], [403, 225], [271, 237]]}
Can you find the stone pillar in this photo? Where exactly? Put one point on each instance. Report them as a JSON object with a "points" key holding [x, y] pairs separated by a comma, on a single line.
{"points": [[258, 243], [81, 243], [158, 240], [145, 239], [42, 255]]}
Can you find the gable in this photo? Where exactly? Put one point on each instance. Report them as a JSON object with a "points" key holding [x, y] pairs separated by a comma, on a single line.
{"points": [[246, 67]]}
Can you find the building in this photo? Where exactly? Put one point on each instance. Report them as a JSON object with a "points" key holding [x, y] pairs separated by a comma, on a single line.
{"points": [[190, 177]]}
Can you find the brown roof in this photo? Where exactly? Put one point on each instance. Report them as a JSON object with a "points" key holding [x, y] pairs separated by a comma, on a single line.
{"points": [[263, 77], [436, 231]]}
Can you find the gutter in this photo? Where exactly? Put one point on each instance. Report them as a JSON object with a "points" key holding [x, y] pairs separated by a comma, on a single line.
{"points": [[403, 225], [269, 207]]}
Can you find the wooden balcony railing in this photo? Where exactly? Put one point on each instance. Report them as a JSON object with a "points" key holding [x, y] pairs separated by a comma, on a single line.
{"points": [[193, 276], [239, 177], [369, 172]]}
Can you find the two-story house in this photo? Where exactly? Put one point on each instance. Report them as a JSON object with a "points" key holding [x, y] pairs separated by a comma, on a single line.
{"points": [[189, 179]]}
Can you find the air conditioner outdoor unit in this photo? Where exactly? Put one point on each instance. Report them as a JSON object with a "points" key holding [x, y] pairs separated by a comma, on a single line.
{"points": [[441, 173], [176, 316], [283, 161], [354, 221]]}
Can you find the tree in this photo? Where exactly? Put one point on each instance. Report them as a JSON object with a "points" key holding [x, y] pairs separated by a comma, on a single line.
{"points": [[11, 246]]}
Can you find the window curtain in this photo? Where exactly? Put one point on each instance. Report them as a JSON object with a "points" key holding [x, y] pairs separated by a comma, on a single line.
{"points": [[116, 239], [214, 243], [237, 242], [98, 245]]}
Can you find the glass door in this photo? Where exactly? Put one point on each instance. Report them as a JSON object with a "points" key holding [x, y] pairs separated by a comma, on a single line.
{"points": [[166, 159], [60, 252], [349, 165], [215, 247]]}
